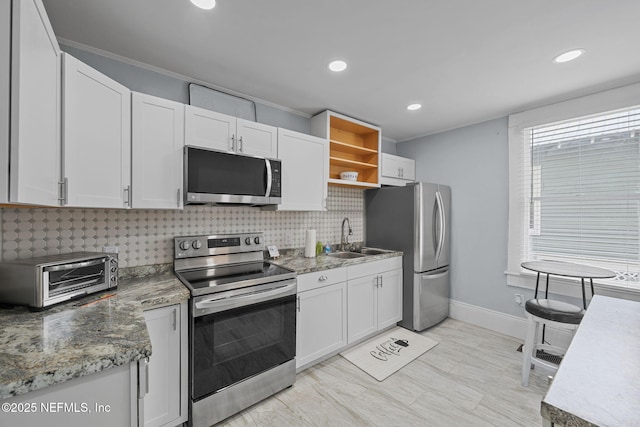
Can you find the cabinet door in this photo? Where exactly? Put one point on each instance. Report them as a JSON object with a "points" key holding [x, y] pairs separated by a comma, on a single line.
{"points": [[305, 171], [390, 298], [35, 107], [162, 404], [105, 399], [256, 139], [321, 323], [390, 166], [407, 169], [97, 137], [156, 150], [208, 129], [362, 307]]}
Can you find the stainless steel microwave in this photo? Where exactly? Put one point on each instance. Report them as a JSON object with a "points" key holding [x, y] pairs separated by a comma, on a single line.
{"points": [[44, 281], [218, 177]]}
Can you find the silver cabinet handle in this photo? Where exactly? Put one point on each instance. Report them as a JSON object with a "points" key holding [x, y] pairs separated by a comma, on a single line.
{"points": [[240, 145], [127, 195], [64, 191], [322, 278], [298, 306], [174, 319], [233, 142], [143, 378], [178, 198], [381, 282]]}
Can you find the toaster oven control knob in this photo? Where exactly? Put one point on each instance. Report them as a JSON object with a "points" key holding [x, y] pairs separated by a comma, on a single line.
{"points": [[257, 240], [247, 240], [196, 244], [184, 245]]}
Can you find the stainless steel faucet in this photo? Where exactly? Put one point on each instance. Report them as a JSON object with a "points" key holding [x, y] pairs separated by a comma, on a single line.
{"points": [[344, 240]]}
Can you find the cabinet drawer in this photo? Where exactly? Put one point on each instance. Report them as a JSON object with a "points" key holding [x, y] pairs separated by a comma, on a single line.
{"points": [[318, 279], [373, 267]]}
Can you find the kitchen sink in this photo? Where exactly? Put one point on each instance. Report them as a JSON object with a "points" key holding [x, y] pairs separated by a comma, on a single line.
{"points": [[345, 255], [372, 251]]}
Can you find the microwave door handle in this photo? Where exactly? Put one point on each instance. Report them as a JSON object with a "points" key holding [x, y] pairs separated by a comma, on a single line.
{"points": [[269, 177]]}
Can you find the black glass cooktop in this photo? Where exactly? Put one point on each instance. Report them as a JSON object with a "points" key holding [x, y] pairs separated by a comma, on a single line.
{"points": [[216, 279]]}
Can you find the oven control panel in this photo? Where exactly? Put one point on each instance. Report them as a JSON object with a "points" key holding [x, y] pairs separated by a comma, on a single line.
{"points": [[220, 244]]}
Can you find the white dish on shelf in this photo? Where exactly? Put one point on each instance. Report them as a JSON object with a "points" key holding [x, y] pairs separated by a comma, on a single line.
{"points": [[349, 175]]}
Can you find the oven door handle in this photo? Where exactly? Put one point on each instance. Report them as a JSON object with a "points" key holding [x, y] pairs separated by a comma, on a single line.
{"points": [[221, 303]]}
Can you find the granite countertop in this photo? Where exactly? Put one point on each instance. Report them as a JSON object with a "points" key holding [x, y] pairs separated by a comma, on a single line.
{"points": [[86, 336], [81, 337], [295, 260], [598, 381]]}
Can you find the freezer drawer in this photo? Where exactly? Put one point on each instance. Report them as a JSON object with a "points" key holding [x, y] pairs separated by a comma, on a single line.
{"points": [[430, 298]]}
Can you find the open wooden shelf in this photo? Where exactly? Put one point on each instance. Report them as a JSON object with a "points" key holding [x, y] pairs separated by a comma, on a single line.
{"points": [[354, 146], [351, 163], [348, 148]]}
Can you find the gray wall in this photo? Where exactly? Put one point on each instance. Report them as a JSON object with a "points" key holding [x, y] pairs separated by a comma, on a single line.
{"points": [[152, 83], [473, 161]]}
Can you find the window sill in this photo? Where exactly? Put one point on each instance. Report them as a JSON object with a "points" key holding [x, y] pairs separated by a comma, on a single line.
{"points": [[571, 287]]}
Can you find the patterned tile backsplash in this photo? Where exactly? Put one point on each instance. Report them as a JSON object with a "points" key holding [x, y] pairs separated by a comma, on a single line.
{"points": [[146, 237]]}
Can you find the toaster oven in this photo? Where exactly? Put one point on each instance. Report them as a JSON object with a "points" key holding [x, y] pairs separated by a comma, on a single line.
{"points": [[44, 281]]}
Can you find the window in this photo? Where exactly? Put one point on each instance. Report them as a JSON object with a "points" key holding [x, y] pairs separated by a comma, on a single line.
{"points": [[574, 185], [582, 192]]}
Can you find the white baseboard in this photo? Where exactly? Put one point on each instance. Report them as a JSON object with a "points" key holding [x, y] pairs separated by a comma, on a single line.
{"points": [[507, 324], [503, 323]]}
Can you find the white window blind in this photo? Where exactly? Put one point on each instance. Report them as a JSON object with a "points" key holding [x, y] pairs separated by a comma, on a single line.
{"points": [[582, 192]]}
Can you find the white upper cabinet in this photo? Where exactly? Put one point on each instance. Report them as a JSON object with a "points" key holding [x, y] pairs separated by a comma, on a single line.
{"points": [[5, 85], [96, 138], [305, 171], [209, 129], [156, 145], [30, 139], [256, 139], [397, 170]]}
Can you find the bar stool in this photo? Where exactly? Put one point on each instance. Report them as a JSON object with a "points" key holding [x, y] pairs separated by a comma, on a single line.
{"points": [[553, 313], [544, 312]]}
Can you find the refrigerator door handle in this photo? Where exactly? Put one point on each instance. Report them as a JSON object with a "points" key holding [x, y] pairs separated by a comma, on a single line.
{"points": [[441, 220], [435, 276]]}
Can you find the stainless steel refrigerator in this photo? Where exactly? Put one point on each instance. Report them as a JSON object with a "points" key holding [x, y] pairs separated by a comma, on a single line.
{"points": [[415, 219]]}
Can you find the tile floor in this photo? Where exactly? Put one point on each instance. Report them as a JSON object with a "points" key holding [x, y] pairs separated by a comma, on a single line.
{"points": [[471, 378]]}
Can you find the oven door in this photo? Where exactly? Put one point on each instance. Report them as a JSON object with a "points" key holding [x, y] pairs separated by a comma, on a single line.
{"points": [[241, 333]]}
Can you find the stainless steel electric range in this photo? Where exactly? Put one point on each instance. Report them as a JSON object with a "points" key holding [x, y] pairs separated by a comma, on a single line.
{"points": [[242, 323]]}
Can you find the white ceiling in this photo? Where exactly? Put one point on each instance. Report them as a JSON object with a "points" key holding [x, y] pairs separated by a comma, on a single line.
{"points": [[466, 61]]}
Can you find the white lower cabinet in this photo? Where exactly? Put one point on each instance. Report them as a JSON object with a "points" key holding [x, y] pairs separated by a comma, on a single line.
{"points": [[104, 399], [322, 315], [165, 404], [374, 297], [338, 307]]}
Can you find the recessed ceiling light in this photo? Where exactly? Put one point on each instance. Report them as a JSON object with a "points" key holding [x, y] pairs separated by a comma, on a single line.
{"points": [[413, 107], [337, 65], [204, 4], [568, 56]]}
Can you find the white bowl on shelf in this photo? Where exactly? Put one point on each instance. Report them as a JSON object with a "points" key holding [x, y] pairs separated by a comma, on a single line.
{"points": [[349, 175]]}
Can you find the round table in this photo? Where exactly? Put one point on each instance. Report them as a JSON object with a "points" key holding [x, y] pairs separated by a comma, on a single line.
{"points": [[567, 269]]}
